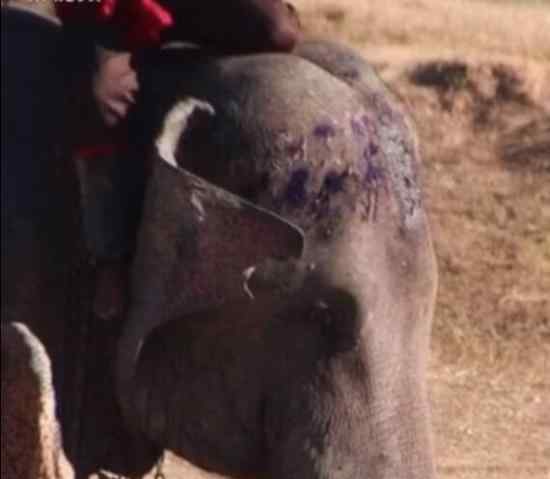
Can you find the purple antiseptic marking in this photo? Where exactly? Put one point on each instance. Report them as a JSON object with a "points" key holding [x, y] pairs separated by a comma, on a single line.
{"points": [[334, 182], [367, 155], [373, 149], [295, 193], [361, 125], [373, 175], [324, 131]]}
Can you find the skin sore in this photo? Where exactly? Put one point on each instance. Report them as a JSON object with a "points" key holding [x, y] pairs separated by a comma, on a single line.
{"points": [[324, 131], [296, 193]]}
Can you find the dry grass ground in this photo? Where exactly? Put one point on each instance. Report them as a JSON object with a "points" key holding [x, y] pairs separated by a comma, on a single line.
{"points": [[475, 75]]}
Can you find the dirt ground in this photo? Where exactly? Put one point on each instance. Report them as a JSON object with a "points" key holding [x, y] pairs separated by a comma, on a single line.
{"points": [[475, 75]]}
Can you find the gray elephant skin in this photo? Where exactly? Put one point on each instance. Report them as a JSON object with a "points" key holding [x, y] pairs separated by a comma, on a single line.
{"points": [[284, 281], [252, 351]]}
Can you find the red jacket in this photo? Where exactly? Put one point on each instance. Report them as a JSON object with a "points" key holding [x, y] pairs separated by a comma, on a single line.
{"points": [[138, 23]]}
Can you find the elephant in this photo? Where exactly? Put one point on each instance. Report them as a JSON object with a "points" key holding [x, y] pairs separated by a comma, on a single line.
{"points": [[31, 441], [285, 280]]}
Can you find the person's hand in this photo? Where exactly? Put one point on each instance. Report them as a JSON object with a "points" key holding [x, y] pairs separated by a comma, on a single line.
{"points": [[115, 85]]}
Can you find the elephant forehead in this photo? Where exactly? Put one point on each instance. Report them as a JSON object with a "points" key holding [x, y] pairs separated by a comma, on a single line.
{"points": [[312, 172], [299, 141]]}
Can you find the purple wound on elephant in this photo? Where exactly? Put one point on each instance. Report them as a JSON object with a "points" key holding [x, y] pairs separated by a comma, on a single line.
{"points": [[295, 194], [361, 125], [334, 182], [373, 175], [324, 131]]}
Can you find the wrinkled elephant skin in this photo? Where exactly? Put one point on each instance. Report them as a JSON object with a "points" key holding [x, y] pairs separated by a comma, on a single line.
{"points": [[282, 363]]}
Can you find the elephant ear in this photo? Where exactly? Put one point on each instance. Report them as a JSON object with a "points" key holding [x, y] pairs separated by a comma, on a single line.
{"points": [[198, 241]]}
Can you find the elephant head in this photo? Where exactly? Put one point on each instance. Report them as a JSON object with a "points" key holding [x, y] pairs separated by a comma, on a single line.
{"points": [[285, 279]]}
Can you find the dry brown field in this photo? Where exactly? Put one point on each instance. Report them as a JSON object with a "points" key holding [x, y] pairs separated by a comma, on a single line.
{"points": [[475, 76]]}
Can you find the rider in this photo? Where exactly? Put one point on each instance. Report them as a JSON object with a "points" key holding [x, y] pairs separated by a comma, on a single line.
{"points": [[120, 28]]}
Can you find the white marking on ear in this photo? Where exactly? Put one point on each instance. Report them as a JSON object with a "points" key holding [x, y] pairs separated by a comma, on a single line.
{"points": [[174, 125], [247, 274]]}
